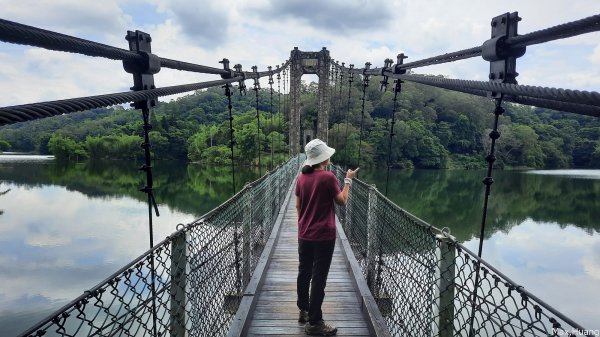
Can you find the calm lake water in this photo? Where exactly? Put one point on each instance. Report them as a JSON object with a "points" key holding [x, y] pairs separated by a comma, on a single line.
{"points": [[63, 228]]}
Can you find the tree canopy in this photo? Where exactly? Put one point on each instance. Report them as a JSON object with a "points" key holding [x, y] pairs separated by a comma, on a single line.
{"points": [[434, 128]]}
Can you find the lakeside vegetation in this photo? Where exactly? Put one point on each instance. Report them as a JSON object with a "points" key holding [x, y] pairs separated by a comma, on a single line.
{"points": [[434, 128]]}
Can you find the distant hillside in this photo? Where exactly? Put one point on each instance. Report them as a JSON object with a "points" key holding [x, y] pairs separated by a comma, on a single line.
{"points": [[434, 128]]}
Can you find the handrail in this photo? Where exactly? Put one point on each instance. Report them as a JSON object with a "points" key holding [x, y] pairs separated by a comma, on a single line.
{"points": [[387, 240], [180, 260]]}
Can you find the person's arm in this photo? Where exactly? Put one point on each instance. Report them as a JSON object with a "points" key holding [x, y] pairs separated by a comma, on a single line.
{"points": [[342, 197], [298, 205]]}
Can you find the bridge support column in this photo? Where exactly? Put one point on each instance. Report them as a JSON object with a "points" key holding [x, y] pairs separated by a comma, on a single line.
{"points": [[294, 100], [308, 63], [178, 284], [443, 326], [324, 88]]}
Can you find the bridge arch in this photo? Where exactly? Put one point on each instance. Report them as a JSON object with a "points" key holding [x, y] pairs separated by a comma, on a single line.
{"points": [[303, 62]]}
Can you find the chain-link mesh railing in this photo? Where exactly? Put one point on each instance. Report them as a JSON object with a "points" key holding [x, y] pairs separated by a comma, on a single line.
{"points": [[197, 275], [427, 284]]}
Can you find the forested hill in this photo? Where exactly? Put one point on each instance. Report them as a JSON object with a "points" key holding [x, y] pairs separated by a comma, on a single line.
{"points": [[434, 128]]}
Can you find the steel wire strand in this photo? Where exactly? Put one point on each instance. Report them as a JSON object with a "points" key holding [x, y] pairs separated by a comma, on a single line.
{"points": [[581, 109], [517, 287], [466, 293], [17, 33], [555, 94], [549, 103], [27, 112], [570, 29]]}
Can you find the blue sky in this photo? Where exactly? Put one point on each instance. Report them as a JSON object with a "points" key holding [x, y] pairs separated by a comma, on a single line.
{"points": [[262, 33]]}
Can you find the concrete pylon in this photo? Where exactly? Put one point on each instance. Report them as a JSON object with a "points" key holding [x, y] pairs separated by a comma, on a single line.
{"points": [[317, 63]]}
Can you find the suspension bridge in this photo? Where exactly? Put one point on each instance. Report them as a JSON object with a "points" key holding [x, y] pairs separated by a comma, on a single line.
{"points": [[232, 271]]}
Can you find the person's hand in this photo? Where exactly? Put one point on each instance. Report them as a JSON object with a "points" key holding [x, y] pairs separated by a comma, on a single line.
{"points": [[351, 173]]}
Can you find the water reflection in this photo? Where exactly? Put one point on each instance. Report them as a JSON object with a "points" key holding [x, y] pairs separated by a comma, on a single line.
{"points": [[454, 199], [543, 227], [65, 228]]}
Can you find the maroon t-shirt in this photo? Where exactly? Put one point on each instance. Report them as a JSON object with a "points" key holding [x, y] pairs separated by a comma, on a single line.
{"points": [[317, 190]]}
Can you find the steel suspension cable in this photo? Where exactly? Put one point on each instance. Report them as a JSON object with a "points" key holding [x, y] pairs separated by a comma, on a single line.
{"points": [[341, 84], [284, 100], [553, 94], [258, 140], [27, 112], [279, 108], [362, 114], [397, 89], [335, 104], [22, 34], [570, 29], [350, 79], [272, 117], [487, 181], [228, 93]]}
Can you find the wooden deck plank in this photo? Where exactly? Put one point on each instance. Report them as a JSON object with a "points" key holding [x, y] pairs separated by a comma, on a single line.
{"points": [[276, 314]]}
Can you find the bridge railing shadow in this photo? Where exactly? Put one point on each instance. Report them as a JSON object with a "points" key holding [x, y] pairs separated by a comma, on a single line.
{"points": [[199, 273], [425, 283]]}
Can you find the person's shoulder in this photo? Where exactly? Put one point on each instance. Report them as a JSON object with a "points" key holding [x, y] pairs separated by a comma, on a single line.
{"points": [[328, 175]]}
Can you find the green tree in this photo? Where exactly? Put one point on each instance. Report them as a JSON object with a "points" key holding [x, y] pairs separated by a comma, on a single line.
{"points": [[64, 148], [4, 145]]}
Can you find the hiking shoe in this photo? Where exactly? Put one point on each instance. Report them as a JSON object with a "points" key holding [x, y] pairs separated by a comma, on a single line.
{"points": [[320, 329], [303, 316]]}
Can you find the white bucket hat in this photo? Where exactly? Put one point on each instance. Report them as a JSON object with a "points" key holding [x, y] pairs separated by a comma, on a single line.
{"points": [[317, 152]]}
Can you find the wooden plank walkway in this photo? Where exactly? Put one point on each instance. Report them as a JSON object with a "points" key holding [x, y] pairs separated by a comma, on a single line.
{"points": [[276, 313]]}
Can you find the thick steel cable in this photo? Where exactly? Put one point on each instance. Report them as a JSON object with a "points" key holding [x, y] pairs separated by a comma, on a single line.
{"points": [[350, 79], [279, 107], [581, 109], [397, 90], [487, 181], [444, 58], [228, 93], [272, 119], [341, 85], [17, 33], [258, 145], [27, 112], [285, 79], [362, 114], [570, 29], [336, 103], [554, 94]]}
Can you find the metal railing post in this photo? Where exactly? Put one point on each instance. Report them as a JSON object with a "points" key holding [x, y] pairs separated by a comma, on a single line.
{"points": [[444, 292], [178, 284], [372, 239], [247, 235]]}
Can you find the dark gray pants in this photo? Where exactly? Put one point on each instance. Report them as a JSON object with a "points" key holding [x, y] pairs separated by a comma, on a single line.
{"points": [[315, 260]]}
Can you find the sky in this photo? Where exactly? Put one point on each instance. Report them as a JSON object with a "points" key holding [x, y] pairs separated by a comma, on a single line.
{"points": [[263, 32]]}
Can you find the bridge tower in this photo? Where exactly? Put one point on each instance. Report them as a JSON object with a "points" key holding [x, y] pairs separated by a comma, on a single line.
{"points": [[317, 63]]}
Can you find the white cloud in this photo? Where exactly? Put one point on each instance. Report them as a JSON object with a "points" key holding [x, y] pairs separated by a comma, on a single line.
{"points": [[263, 32], [54, 244], [595, 57]]}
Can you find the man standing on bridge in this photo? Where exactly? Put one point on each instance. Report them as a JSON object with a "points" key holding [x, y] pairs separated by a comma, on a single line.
{"points": [[316, 192]]}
